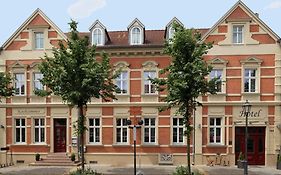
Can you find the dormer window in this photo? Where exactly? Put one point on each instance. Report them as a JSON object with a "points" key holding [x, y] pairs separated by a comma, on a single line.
{"points": [[237, 34], [97, 37], [171, 32], [39, 40], [136, 36]]}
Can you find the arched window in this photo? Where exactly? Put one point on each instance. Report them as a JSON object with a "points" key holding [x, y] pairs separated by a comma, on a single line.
{"points": [[136, 36], [97, 37]]}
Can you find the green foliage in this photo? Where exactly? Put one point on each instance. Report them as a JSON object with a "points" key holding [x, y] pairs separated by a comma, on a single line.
{"points": [[180, 170], [278, 158], [37, 156], [241, 156], [5, 89], [87, 171], [72, 157], [75, 73], [186, 75]]}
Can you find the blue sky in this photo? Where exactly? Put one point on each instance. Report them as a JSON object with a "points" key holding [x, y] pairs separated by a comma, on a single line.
{"points": [[118, 14]]}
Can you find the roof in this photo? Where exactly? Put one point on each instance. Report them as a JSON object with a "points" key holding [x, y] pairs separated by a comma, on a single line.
{"points": [[120, 38]]}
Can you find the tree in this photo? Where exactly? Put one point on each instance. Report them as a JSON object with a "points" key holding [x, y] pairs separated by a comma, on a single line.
{"points": [[76, 75], [186, 76], [5, 89]]}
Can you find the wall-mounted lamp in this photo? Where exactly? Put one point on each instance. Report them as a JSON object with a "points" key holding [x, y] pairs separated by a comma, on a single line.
{"points": [[2, 126]]}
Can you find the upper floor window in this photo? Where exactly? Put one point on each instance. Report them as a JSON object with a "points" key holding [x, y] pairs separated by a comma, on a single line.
{"points": [[237, 34], [149, 130], [217, 73], [215, 130], [37, 85], [122, 82], [39, 130], [121, 130], [19, 84], [97, 37], [94, 130], [250, 80], [39, 40], [178, 130], [136, 36], [171, 32], [20, 130], [149, 88]]}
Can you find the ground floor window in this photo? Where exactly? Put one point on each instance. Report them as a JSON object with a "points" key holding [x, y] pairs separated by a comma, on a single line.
{"points": [[178, 130], [149, 130], [94, 130], [215, 129], [39, 130], [121, 130], [20, 130]]}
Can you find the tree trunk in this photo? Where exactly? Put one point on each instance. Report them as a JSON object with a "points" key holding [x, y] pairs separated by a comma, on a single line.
{"points": [[81, 132], [188, 154]]}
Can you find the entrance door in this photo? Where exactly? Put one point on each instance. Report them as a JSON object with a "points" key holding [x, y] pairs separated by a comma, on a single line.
{"points": [[256, 144], [59, 135]]}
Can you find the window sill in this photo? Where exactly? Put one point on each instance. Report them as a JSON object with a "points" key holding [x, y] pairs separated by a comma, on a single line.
{"points": [[146, 95], [123, 95], [20, 144], [178, 145], [218, 93], [250, 93], [39, 144], [216, 145], [121, 145], [94, 144], [149, 145]]}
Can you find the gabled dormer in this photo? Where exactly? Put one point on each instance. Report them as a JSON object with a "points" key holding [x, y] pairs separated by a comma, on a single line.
{"points": [[136, 32], [169, 31], [99, 35]]}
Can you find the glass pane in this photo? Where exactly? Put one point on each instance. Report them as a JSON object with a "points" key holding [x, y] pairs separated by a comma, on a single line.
{"points": [[250, 145], [146, 88], [22, 122], [253, 73], [261, 149], [17, 134], [42, 122], [181, 121], [175, 121], [146, 121], [17, 122], [36, 134], [91, 122], [152, 134], [218, 135], [174, 134], [91, 134], [118, 122], [124, 139], [218, 121], [23, 135], [97, 122], [246, 85], [212, 135], [180, 134], [118, 134], [97, 135], [146, 135], [152, 121], [42, 135], [36, 121], [253, 85], [124, 122], [212, 121]]}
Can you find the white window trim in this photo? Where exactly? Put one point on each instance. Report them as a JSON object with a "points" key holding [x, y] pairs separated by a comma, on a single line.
{"points": [[100, 128], [20, 127], [36, 81], [149, 83], [171, 32], [35, 40], [242, 33], [156, 130], [39, 127], [101, 39], [257, 88], [122, 127], [222, 78], [121, 79], [221, 127], [172, 131], [23, 82], [131, 36]]}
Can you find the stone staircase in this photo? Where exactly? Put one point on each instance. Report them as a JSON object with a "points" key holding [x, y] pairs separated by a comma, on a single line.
{"points": [[55, 159]]}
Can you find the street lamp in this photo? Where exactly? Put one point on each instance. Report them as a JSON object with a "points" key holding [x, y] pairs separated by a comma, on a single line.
{"points": [[134, 127], [246, 110]]}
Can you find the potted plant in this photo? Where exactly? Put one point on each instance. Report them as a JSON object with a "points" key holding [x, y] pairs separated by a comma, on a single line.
{"points": [[241, 161], [37, 156], [278, 162], [72, 157]]}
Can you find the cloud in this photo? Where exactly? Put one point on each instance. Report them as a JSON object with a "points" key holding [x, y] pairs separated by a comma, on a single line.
{"points": [[84, 8], [274, 5]]}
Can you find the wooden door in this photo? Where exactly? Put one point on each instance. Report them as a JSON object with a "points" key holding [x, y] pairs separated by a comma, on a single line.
{"points": [[59, 135], [255, 146]]}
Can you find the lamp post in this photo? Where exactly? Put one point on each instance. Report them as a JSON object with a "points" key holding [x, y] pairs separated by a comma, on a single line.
{"points": [[246, 110]]}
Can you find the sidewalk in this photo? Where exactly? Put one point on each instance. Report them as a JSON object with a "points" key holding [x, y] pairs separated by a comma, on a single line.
{"points": [[233, 170]]}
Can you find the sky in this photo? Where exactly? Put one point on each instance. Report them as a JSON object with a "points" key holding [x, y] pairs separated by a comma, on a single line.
{"points": [[118, 14]]}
